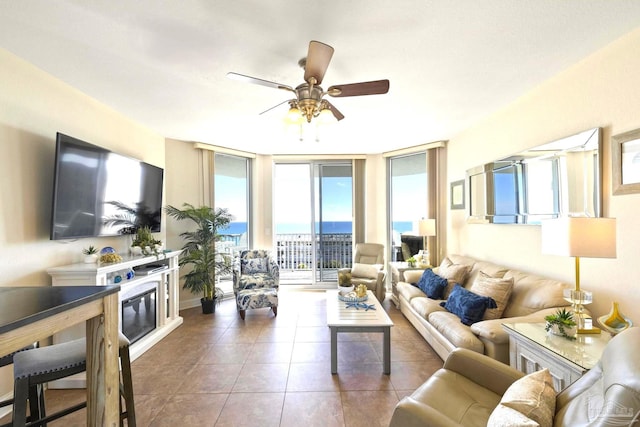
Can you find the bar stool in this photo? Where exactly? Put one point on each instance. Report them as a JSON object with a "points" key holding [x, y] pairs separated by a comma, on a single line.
{"points": [[36, 394], [38, 366]]}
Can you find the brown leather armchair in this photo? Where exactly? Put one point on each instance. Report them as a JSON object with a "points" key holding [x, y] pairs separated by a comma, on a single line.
{"points": [[470, 385]]}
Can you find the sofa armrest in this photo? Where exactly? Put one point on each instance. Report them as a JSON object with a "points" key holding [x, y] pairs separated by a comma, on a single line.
{"points": [[482, 370], [412, 413], [412, 276]]}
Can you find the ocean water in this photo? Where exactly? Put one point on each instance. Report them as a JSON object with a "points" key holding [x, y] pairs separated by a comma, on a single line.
{"points": [[328, 227]]}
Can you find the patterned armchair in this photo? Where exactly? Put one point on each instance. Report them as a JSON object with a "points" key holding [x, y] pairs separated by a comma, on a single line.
{"points": [[256, 277]]}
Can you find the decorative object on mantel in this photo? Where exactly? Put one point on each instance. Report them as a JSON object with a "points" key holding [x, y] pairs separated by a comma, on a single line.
{"points": [[145, 244], [615, 322], [625, 166], [200, 253], [561, 323], [580, 237], [90, 255], [108, 255]]}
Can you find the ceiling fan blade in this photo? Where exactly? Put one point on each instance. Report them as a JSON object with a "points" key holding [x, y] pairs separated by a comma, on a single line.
{"points": [[274, 107], [337, 114], [318, 59], [257, 81], [376, 87]]}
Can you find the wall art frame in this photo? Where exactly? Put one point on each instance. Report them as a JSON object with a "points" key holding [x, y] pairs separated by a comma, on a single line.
{"points": [[625, 163], [457, 195]]}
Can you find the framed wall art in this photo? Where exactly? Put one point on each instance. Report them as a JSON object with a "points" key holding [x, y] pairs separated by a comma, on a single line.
{"points": [[457, 194], [625, 157]]}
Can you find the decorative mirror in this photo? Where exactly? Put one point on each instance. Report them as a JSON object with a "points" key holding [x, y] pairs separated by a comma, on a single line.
{"points": [[555, 179]]}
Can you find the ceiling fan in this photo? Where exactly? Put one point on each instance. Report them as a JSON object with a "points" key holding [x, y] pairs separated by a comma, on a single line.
{"points": [[309, 99]]}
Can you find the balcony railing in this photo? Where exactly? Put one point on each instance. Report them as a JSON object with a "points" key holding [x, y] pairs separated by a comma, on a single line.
{"points": [[295, 255]]}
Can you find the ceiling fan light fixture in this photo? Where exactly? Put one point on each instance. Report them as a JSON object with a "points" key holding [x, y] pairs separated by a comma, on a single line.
{"points": [[294, 116], [326, 117]]}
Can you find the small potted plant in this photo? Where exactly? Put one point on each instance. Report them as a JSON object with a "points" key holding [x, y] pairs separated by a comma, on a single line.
{"points": [[411, 262], [144, 243], [561, 323], [90, 255], [344, 282]]}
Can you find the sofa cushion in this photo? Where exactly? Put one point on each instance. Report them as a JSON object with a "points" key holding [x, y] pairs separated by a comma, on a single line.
{"points": [[454, 273], [368, 271], [469, 307], [496, 288], [432, 284], [459, 335], [533, 396], [409, 291], [425, 306], [532, 293]]}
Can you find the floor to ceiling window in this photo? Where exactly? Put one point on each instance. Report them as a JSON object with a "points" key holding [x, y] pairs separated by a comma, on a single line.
{"points": [[231, 191], [408, 203], [313, 216]]}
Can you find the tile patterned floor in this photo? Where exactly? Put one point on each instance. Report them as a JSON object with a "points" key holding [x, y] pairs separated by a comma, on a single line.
{"points": [[217, 370]]}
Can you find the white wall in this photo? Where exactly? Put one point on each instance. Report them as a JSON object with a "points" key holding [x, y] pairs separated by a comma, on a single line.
{"points": [[600, 91], [33, 107]]}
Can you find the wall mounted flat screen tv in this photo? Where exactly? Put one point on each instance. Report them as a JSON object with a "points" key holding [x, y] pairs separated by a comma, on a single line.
{"points": [[97, 192]]}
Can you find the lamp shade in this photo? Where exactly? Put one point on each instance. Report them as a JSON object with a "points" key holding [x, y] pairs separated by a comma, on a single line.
{"points": [[427, 227], [579, 237]]}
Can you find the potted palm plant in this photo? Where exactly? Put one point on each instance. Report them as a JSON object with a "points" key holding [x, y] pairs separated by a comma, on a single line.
{"points": [[199, 251]]}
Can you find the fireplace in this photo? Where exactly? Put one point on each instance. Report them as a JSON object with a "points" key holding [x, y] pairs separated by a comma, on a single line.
{"points": [[138, 310]]}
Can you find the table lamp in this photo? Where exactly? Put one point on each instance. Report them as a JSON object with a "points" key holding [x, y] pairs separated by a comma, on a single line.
{"points": [[426, 228], [580, 237]]}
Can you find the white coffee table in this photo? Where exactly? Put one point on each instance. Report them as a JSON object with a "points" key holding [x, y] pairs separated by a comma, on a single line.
{"points": [[343, 319]]}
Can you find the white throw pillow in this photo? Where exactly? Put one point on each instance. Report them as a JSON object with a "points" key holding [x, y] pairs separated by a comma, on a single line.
{"points": [[503, 416], [533, 396], [364, 270], [496, 288]]}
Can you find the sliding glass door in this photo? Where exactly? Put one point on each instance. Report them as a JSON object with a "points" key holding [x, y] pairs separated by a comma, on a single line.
{"points": [[313, 220], [408, 203]]}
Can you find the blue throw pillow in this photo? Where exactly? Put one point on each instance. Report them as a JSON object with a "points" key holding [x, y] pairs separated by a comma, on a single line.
{"points": [[432, 284], [469, 307]]}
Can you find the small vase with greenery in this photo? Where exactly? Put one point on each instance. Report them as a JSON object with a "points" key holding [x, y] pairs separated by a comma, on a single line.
{"points": [[199, 251], [411, 262], [90, 254], [148, 244], [561, 323]]}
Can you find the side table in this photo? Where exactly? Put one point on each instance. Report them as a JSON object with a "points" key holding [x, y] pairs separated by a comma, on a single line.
{"points": [[397, 275], [531, 348]]}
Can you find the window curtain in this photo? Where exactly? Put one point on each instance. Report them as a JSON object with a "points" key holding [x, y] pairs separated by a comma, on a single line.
{"points": [[359, 191]]}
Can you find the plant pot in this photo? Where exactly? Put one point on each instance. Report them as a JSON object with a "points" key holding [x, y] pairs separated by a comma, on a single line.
{"points": [[91, 259], [569, 331], [208, 305]]}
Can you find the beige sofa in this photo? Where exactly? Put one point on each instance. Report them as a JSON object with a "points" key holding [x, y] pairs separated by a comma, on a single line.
{"points": [[532, 298], [474, 390]]}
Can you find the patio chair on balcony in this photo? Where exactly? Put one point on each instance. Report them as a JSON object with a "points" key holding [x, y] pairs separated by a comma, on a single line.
{"points": [[256, 277], [368, 268]]}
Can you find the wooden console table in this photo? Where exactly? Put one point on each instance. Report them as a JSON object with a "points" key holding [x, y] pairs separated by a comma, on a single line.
{"points": [[29, 314]]}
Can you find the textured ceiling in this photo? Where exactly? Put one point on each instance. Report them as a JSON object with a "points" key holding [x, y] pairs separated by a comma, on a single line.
{"points": [[450, 62]]}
